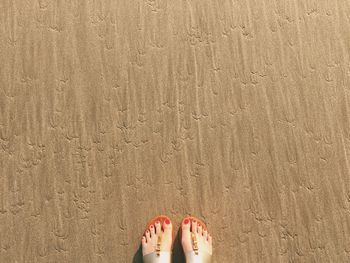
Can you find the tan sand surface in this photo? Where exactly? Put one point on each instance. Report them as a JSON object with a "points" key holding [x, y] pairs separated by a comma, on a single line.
{"points": [[114, 111]]}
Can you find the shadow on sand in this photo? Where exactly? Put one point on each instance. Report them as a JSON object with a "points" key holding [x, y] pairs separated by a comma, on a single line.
{"points": [[178, 255]]}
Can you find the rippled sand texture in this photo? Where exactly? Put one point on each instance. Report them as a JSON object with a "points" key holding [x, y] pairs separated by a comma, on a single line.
{"points": [[112, 112]]}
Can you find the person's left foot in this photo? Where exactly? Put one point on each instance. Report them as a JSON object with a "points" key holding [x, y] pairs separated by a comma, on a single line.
{"points": [[150, 238]]}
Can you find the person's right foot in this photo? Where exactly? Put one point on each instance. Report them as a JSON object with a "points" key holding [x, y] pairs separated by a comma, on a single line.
{"points": [[193, 231]]}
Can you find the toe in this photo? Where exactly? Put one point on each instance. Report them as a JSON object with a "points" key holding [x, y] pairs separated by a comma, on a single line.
{"points": [[210, 239], [158, 227], [186, 235], [186, 226], [194, 226], [167, 226], [205, 234], [152, 230], [199, 229], [143, 241], [148, 236]]}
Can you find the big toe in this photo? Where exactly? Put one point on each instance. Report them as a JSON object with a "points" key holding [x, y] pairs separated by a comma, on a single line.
{"points": [[168, 227], [185, 225], [186, 235]]}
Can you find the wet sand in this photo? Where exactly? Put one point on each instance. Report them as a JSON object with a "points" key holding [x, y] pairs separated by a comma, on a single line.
{"points": [[112, 112]]}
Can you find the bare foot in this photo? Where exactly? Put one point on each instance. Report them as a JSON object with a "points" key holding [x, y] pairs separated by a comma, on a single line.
{"points": [[191, 229], [150, 239]]}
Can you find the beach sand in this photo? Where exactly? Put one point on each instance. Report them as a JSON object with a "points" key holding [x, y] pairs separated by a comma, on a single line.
{"points": [[113, 112]]}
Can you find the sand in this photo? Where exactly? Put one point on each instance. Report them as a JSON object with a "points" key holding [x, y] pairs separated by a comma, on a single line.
{"points": [[112, 112]]}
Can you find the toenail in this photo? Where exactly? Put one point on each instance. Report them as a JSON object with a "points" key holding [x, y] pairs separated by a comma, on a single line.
{"points": [[194, 221], [157, 222], [186, 221], [147, 231], [151, 226], [167, 221]]}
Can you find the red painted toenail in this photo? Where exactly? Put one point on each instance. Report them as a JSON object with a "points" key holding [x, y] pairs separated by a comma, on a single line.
{"points": [[186, 221], [151, 226], [157, 222], [167, 221]]}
